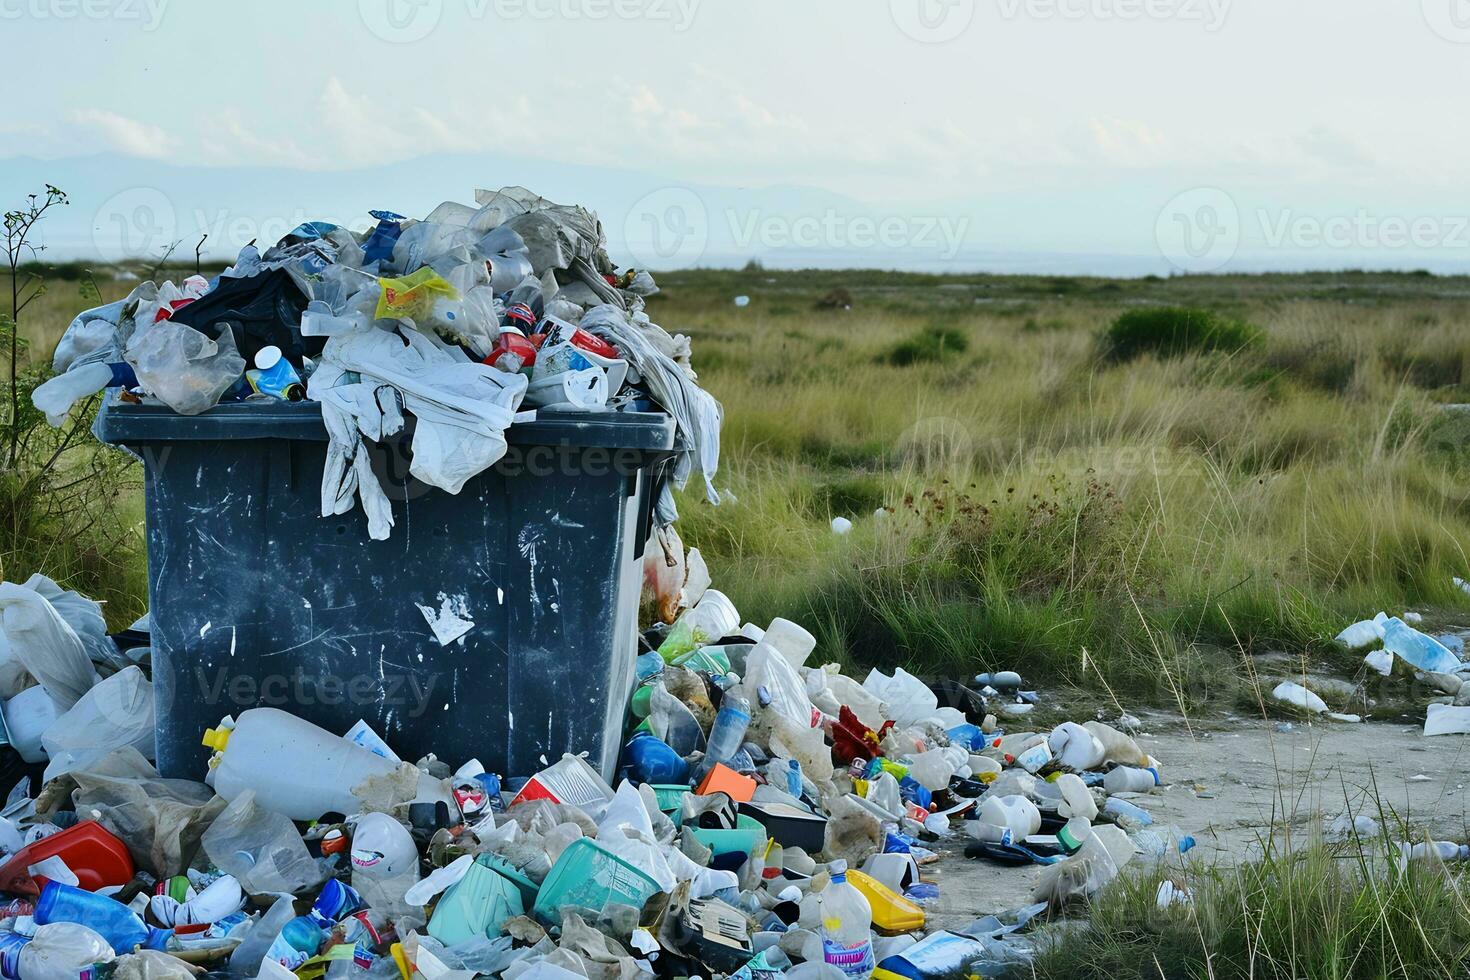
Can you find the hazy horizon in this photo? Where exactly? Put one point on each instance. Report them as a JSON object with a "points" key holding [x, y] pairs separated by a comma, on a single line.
{"points": [[1112, 137]]}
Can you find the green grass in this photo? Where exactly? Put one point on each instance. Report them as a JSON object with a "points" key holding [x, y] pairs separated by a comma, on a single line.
{"points": [[1145, 523], [1317, 912], [1082, 519]]}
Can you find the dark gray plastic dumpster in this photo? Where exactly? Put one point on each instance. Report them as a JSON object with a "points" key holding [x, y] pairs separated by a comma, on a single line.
{"points": [[258, 600]]}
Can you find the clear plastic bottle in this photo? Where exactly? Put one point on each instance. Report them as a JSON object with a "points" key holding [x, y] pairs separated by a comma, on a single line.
{"points": [[1442, 849], [1418, 649], [847, 925], [728, 732]]}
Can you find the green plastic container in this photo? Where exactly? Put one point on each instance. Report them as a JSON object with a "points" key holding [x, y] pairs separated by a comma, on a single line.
{"points": [[589, 876], [747, 835], [476, 905], [670, 797], [711, 660]]}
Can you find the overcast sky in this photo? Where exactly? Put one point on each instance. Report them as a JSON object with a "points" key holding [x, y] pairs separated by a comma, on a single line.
{"points": [[1072, 135]]}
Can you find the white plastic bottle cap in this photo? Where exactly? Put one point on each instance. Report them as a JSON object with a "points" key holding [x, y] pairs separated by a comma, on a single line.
{"points": [[267, 357]]}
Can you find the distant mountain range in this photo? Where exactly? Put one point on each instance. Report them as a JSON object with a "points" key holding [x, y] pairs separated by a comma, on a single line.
{"points": [[128, 207]]}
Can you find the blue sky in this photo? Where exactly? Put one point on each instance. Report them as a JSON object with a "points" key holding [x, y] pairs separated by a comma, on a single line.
{"points": [[1113, 136]]}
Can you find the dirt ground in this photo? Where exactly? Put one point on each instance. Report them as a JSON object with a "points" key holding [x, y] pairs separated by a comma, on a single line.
{"points": [[1230, 780]]}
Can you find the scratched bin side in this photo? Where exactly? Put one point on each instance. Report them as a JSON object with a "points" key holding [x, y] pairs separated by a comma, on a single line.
{"points": [[499, 623]]}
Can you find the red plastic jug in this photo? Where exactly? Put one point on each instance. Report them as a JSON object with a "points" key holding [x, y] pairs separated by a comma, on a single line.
{"points": [[96, 857]]}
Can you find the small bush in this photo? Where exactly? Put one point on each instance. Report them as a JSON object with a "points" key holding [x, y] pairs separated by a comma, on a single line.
{"points": [[1174, 331], [927, 346]]}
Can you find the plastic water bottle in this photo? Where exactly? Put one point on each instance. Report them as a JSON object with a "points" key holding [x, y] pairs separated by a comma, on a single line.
{"points": [[793, 778], [728, 732], [1442, 849], [298, 941], [110, 919], [1127, 779], [1128, 816], [847, 924], [1423, 652], [60, 951]]}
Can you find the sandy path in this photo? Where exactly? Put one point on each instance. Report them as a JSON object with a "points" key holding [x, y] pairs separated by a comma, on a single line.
{"points": [[1230, 780]]}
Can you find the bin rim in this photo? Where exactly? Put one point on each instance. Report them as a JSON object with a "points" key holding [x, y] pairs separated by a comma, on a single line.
{"points": [[122, 424]]}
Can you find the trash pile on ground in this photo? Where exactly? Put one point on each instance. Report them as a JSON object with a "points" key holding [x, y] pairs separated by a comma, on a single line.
{"points": [[1392, 646], [466, 322], [768, 818]]}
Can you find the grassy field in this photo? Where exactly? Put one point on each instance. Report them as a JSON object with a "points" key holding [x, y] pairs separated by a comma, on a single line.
{"points": [[1094, 515], [1053, 508]]}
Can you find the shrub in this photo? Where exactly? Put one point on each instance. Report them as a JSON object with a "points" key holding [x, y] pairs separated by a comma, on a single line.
{"points": [[927, 346], [1173, 331]]}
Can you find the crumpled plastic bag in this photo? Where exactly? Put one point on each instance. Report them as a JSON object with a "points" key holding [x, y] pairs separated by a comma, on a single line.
{"points": [[92, 336], [510, 262], [116, 713], [413, 297], [261, 848], [853, 832], [183, 368], [909, 700], [765, 667], [664, 574], [462, 410], [161, 820], [84, 616], [152, 964], [42, 641], [1082, 875], [696, 413], [671, 721]]}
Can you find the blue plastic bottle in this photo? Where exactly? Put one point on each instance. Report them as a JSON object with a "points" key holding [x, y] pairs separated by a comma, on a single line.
{"points": [[1420, 650], [335, 903], [298, 941], [647, 759], [111, 920], [793, 778]]}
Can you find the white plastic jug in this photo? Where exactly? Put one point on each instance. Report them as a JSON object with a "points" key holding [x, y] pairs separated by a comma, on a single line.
{"points": [[794, 642], [1128, 779], [1016, 813], [847, 925], [1075, 747], [1077, 800], [1117, 747], [294, 767]]}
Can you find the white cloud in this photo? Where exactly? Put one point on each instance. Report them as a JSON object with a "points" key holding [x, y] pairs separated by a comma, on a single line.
{"points": [[130, 136]]}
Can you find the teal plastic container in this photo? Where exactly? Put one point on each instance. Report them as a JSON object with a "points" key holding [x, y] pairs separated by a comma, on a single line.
{"points": [[747, 835], [670, 797], [589, 876], [476, 905]]}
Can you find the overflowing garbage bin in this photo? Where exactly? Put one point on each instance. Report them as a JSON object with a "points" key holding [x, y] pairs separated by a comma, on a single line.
{"points": [[505, 614]]}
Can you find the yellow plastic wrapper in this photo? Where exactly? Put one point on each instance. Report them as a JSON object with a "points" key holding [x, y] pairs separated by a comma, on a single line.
{"points": [[413, 297]]}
